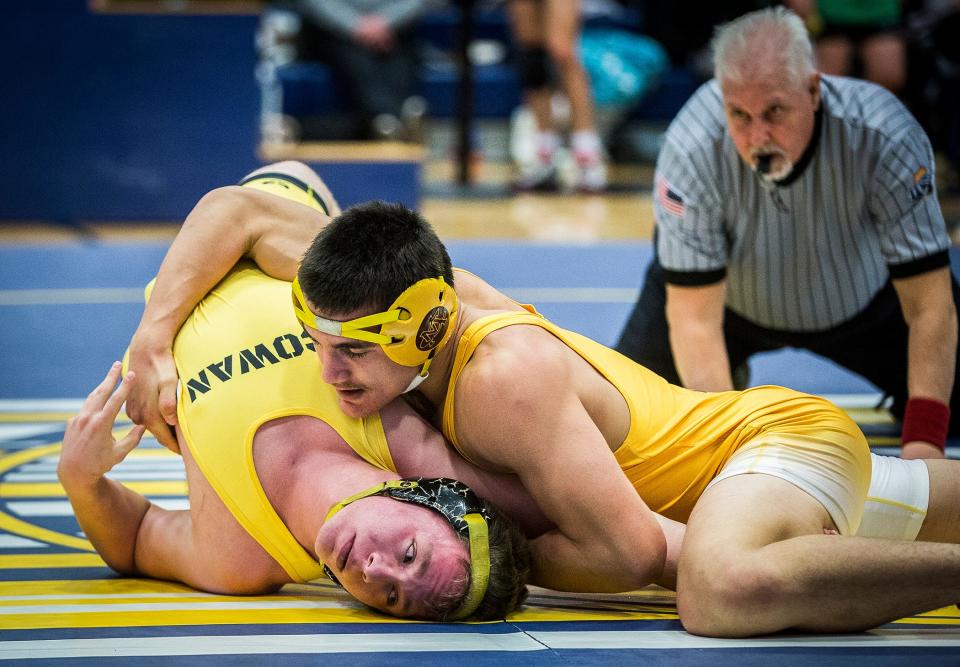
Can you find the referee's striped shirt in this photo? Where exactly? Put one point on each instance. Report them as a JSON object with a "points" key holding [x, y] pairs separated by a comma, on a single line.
{"points": [[809, 254]]}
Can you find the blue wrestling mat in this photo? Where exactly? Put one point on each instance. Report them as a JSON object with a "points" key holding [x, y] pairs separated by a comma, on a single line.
{"points": [[67, 311]]}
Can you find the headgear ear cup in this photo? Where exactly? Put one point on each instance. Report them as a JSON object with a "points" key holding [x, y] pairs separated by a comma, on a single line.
{"points": [[428, 317]]}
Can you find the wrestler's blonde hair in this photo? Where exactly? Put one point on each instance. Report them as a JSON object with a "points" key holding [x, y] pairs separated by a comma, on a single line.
{"points": [[766, 41]]}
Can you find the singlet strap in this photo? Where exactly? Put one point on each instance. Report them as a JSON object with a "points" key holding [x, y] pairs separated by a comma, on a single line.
{"points": [[469, 340]]}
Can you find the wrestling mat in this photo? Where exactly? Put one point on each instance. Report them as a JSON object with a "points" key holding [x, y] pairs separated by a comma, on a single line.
{"points": [[59, 602], [68, 309]]}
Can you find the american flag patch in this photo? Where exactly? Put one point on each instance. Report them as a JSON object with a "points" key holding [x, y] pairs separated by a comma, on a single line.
{"points": [[669, 197]]}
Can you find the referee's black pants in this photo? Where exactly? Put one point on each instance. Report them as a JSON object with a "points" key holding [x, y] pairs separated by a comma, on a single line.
{"points": [[872, 344]]}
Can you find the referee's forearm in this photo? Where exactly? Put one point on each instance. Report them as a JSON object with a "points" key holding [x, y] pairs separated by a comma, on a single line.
{"points": [[931, 354], [701, 358], [931, 317], [695, 320]]}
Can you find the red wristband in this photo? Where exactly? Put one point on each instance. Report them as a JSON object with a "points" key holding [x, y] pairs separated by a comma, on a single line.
{"points": [[927, 420]]}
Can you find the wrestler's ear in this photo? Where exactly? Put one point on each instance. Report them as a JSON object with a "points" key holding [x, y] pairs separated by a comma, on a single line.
{"points": [[814, 88]]}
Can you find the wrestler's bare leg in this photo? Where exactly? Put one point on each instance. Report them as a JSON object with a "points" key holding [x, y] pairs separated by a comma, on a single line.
{"points": [[942, 523], [755, 561]]}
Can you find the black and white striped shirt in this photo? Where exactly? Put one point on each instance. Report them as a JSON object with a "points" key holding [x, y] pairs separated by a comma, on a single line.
{"points": [[810, 254]]}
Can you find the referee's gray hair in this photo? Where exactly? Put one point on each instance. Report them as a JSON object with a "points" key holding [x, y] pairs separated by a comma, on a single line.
{"points": [[774, 37]]}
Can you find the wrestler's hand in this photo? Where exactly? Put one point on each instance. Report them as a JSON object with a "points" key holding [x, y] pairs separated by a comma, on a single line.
{"points": [[89, 448], [918, 449], [153, 401]]}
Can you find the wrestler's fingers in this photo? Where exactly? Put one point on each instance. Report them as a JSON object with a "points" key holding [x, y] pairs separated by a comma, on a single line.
{"points": [[130, 440], [168, 401], [112, 405], [165, 435], [134, 410], [98, 397]]}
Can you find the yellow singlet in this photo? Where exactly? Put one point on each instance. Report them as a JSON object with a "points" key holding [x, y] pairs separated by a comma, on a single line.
{"points": [[679, 439], [243, 360]]}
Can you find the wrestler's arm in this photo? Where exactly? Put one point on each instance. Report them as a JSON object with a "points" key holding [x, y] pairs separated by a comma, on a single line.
{"points": [[419, 450], [517, 411], [226, 225], [109, 514], [132, 535]]}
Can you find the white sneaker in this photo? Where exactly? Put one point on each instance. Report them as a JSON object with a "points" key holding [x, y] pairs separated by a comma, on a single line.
{"points": [[536, 175], [591, 174]]}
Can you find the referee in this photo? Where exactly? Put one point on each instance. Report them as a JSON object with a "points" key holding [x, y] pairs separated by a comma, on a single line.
{"points": [[798, 209]]}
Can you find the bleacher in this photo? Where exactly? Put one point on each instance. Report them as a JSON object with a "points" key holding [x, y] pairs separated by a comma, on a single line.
{"points": [[313, 89], [106, 98]]}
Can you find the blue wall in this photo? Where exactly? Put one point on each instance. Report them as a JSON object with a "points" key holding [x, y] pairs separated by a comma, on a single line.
{"points": [[121, 117]]}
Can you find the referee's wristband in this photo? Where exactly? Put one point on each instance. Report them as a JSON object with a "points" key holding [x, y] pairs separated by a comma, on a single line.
{"points": [[927, 420]]}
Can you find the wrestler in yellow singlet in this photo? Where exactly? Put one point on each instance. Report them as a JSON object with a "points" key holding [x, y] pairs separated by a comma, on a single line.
{"points": [[681, 440], [243, 360]]}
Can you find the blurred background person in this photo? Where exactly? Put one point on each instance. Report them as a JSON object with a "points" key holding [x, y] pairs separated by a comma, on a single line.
{"points": [[547, 36], [861, 38], [933, 80], [684, 27], [372, 48]]}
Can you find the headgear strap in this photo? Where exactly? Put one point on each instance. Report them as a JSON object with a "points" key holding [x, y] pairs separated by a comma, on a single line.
{"points": [[415, 326]]}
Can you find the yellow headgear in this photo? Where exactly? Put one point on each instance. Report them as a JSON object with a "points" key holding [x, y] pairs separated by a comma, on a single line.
{"points": [[412, 329]]}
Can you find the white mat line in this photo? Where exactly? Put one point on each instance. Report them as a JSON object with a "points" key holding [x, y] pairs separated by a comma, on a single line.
{"points": [[69, 296], [120, 476], [119, 607], [538, 295], [135, 461], [885, 638], [105, 596], [134, 295], [452, 641], [851, 401], [8, 541], [47, 508], [40, 404], [864, 400]]}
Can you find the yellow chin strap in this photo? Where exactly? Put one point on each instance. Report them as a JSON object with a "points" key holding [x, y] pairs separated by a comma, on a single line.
{"points": [[412, 329], [458, 505]]}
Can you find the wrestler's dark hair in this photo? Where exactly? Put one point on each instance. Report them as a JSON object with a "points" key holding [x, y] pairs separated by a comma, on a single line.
{"points": [[368, 255], [509, 572]]}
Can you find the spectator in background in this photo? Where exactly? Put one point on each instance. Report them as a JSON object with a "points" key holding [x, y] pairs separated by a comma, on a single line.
{"points": [[547, 35], [799, 209], [933, 79], [371, 46], [861, 38], [683, 27]]}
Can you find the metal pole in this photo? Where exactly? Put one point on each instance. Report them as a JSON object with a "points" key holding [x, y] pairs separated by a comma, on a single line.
{"points": [[464, 93]]}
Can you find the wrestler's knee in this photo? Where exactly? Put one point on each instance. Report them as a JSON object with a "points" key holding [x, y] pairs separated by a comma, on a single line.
{"points": [[728, 597]]}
